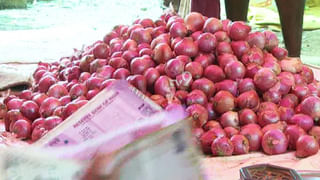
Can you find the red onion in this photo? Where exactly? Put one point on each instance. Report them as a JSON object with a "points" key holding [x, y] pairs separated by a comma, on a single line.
{"points": [[279, 53], [268, 117], [214, 73], [230, 119], [239, 48], [205, 59], [211, 124], [280, 125], [293, 132], [247, 116], [271, 40], [285, 113], [162, 53], [225, 59], [227, 85], [198, 113], [311, 107], [231, 131], [306, 146], [238, 30], [256, 39], [195, 69], [174, 67], [22, 128], [196, 97], [223, 101], [204, 85], [264, 79], [254, 136], [235, 70], [208, 137], [302, 120], [274, 142], [207, 42], [212, 25], [194, 21], [222, 146], [186, 47], [245, 84], [224, 48], [240, 144], [315, 132], [248, 99], [178, 29]]}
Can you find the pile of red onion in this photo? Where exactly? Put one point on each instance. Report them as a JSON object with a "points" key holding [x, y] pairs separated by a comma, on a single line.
{"points": [[242, 91]]}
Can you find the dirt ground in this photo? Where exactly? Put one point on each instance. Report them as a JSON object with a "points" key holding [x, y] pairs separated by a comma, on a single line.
{"points": [[50, 30]]}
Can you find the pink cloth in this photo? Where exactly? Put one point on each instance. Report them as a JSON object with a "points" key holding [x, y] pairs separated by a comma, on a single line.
{"points": [[209, 8]]}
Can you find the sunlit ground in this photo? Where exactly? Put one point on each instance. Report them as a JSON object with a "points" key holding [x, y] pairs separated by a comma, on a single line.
{"points": [[50, 29]]}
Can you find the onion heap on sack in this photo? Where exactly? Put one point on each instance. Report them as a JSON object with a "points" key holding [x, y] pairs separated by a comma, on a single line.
{"points": [[240, 88]]}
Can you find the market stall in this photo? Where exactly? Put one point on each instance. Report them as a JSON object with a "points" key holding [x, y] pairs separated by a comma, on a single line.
{"points": [[166, 98]]}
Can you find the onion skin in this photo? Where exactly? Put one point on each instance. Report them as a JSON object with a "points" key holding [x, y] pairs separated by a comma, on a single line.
{"points": [[293, 65], [306, 146], [274, 142]]}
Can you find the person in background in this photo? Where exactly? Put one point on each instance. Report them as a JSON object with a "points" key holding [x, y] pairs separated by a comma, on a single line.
{"points": [[290, 12]]}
